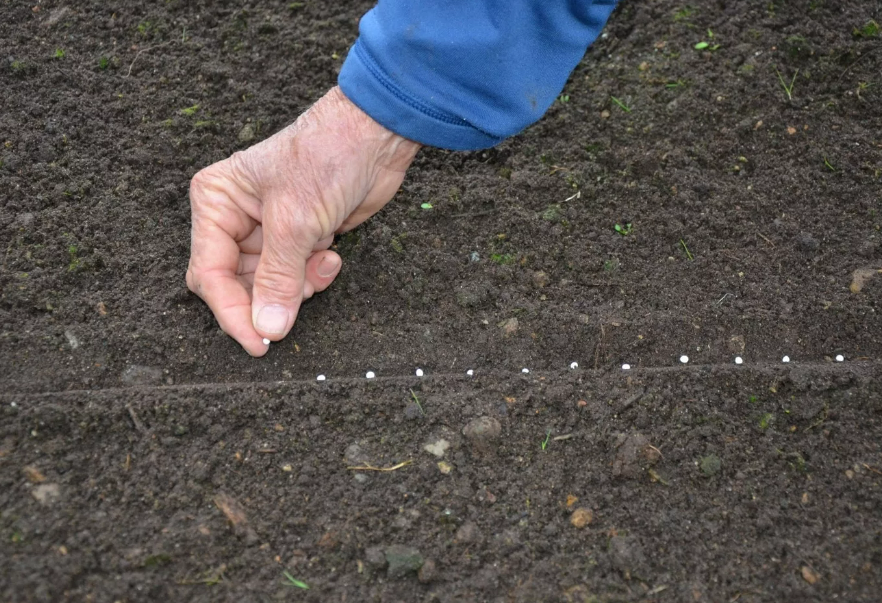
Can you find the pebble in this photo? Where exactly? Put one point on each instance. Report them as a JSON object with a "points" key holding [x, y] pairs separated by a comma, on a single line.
{"points": [[402, 560], [437, 447], [474, 257], [509, 327], [807, 242], [246, 134], [46, 494], [467, 533], [370, 374], [581, 517], [481, 431], [427, 572], [374, 558], [710, 464], [137, 374]]}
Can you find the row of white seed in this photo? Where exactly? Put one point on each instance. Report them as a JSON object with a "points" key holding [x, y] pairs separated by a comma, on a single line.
{"points": [[574, 365]]}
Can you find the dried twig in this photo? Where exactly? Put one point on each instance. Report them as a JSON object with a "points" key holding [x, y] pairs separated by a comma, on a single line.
{"points": [[149, 48], [372, 468]]}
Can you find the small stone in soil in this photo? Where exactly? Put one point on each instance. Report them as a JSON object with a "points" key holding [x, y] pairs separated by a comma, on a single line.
{"points": [[437, 447], [467, 533], [710, 464], [374, 558], [581, 517], [402, 560], [482, 431], [427, 572]]}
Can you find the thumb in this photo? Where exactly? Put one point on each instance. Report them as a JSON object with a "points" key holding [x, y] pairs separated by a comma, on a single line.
{"points": [[280, 276]]}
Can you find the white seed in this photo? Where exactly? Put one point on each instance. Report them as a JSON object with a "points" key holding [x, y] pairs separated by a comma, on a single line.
{"points": [[419, 372], [626, 367], [684, 359], [266, 341], [470, 372], [525, 370], [370, 375], [840, 358], [785, 359], [574, 365], [739, 360], [320, 378]]}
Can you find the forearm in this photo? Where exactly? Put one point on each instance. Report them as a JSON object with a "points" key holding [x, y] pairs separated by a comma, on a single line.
{"points": [[467, 74]]}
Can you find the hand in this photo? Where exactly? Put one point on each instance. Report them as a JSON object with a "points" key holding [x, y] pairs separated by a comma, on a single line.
{"points": [[264, 218]]}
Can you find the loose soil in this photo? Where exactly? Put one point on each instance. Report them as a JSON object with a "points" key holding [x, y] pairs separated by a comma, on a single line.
{"points": [[143, 455]]}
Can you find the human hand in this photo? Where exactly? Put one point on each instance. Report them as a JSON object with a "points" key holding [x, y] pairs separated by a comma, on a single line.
{"points": [[264, 218]]}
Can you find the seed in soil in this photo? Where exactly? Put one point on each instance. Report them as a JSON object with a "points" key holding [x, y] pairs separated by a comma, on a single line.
{"points": [[470, 372], [785, 359], [840, 358], [419, 372], [626, 367], [266, 341], [574, 365], [525, 370], [739, 360], [684, 359], [320, 378], [370, 375]]}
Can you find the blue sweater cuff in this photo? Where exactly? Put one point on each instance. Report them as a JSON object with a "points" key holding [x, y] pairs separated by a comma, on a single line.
{"points": [[364, 83]]}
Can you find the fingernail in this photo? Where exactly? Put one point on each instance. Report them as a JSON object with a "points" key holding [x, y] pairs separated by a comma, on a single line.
{"points": [[272, 319], [327, 266]]}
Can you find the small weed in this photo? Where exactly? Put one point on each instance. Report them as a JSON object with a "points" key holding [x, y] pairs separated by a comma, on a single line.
{"points": [[292, 581], [677, 84], [190, 111], [766, 420], [620, 104], [624, 230], [829, 166], [425, 205], [869, 30], [75, 262], [157, 560], [397, 245], [17, 537], [503, 259], [546, 440], [753, 399], [103, 63], [18, 66], [684, 13], [59, 53], [686, 249], [417, 400], [144, 27], [787, 88], [563, 98], [611, 265], [296, 5]]}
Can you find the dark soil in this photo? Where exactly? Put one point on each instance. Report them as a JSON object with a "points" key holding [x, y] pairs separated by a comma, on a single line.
{"points": [[144, 456]]}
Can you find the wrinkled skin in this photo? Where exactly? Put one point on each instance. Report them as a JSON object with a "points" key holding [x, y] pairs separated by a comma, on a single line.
{"points": [[264, 218]]}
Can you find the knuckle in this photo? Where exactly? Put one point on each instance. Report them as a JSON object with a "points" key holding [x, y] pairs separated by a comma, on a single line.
{"points": [[277, 281]]}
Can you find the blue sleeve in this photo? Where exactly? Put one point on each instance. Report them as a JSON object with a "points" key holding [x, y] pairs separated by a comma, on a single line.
{"points": [[466, 74]]}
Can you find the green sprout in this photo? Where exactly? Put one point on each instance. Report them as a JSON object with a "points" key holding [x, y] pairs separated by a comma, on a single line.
{"points": [[686, 249], [292, 581], [621, 105], [564, 98], [59, 53], [624, 230], [547, 438], [753, 399], [829, 166], [75, 262], [502, 258], [869, 30], [103, 63], [766, 420], [190, 111], [417, 400], [677, 84], [787, 89], [426, 205]]}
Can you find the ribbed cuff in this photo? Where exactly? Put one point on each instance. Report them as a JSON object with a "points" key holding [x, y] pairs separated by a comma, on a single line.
{"points": [[365, 84]]}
